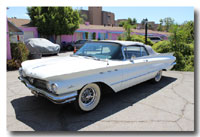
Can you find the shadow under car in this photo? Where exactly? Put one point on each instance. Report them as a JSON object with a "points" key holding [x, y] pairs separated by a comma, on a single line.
{"points": [[42, 115]]}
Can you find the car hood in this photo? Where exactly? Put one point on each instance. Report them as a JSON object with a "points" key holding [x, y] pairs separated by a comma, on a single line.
{"points": [[59, 66]]}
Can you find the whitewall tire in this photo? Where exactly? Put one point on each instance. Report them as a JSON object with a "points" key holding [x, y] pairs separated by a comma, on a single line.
{"points": [[158, 77], [88, 98]]}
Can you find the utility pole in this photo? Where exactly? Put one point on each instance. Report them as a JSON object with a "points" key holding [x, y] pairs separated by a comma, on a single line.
{"points": [[146, 28]]}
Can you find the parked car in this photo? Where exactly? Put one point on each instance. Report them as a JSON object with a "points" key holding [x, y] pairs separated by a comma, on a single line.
{"points": [[41, 46], [155, 38], [82, 77], [78, 44], [69, 46]]}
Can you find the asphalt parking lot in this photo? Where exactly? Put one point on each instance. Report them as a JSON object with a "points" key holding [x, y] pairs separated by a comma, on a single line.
{"points": [[166, 106]]}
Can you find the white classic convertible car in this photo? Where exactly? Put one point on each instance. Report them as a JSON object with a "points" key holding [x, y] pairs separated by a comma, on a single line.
{"points": [[81, 77]]}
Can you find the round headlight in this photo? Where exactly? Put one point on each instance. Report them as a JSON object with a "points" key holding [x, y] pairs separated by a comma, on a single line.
{"points": [[54, 87]]}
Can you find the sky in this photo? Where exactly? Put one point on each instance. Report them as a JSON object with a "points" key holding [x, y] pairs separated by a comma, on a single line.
{"points": [[179, 14]]}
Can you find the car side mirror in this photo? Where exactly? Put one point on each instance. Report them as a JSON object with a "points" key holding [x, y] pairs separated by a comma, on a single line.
{"points": [[132, 58]]}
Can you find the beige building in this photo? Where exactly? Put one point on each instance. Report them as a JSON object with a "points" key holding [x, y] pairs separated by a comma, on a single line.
{"points": [[96, 16], [151, 25]]}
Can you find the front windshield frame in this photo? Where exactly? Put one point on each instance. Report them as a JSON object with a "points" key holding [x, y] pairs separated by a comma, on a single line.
{"points": [[120, 51]]}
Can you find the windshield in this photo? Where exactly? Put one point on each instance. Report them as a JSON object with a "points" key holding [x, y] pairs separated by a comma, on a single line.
{"points": [[101, 50]]}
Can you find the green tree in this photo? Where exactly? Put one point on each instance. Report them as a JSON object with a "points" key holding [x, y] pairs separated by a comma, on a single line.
{"points": [[83, 17], [134, 21], [127, 28], [129, 21], [160, 27], [168, 23], [121, 23], [138, 38], [188, 31], [181, 42], [143, 22], [54, 20]]}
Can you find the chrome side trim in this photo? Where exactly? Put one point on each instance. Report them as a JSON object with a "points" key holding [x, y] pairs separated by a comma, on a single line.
{"points": [[171, 66], [68, 97], [174, 63], [133, 77]]}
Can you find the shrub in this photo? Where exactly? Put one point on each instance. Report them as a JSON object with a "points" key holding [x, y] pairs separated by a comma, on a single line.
{"points": [[19, 51], [162, 47], [184, 54], [13, 64], [19, 54], [120, 37], [190, 63], [180, 61], [138, 38]]}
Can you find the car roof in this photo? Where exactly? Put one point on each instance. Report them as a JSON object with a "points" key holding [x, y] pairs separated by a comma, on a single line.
{"points": [[131, 43]]}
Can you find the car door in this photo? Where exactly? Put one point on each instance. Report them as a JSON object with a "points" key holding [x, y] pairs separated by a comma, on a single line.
{"points": [[114, 71], [137, 66]]}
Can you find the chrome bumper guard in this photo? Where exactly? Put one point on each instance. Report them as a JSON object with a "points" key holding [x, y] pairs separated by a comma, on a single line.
{"points": [[57, 99], [172, 65]]}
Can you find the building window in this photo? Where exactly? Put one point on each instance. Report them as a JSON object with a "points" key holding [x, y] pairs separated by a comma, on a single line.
{"points": [[108, 20]]}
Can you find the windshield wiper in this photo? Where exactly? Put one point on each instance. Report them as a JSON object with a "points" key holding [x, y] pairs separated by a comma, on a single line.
{"points": [[87, 56], [93, 57]]}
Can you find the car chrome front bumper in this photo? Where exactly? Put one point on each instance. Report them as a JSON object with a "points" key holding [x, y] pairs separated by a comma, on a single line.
{"points": [[57, 99]]}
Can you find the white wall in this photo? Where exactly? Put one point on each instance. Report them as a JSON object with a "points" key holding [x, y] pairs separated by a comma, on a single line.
{"points": [[28, 34]]}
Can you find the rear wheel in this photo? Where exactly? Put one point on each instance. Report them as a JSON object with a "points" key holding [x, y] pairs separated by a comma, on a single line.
{"points": [[88, 98], [158, 77]]}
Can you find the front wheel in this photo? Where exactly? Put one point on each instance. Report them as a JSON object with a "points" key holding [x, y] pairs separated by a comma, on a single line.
{"points": [[88, 98], [158, 77]]}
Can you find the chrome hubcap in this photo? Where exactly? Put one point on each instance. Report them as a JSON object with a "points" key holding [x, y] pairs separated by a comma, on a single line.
{"points": [[88, 96]]}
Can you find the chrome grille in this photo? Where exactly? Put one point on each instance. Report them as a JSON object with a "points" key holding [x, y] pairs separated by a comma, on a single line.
{"points": [[41, 84]]}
